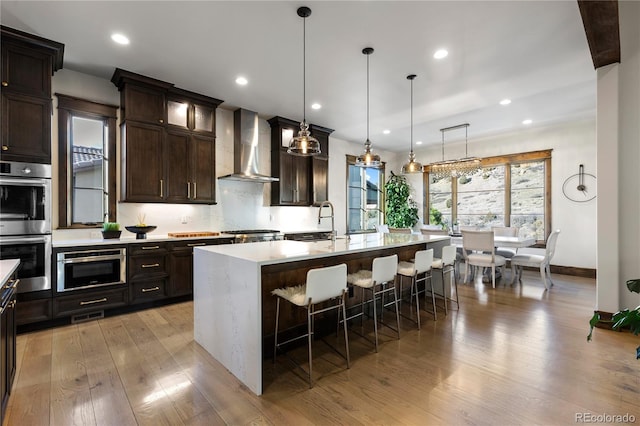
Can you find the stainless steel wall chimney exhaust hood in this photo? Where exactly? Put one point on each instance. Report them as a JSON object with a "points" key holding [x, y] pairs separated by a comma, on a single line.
{"points": [[245, 149]]}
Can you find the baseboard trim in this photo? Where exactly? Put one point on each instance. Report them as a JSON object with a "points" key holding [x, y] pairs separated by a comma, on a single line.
{"points": [[572, 270]]}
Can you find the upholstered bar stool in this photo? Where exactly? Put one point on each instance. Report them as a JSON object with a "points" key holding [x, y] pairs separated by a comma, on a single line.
{"points": [[380, 281], [419, 271], [322, 285], [446, 264]]}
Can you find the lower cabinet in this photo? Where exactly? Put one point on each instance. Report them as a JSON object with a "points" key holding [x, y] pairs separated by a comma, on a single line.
{"points": [[147, 271], [148, 290], [7, 350]]}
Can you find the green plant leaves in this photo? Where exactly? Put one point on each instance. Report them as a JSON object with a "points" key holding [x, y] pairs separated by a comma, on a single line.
{"points": [[400, 211], [634, 285]]}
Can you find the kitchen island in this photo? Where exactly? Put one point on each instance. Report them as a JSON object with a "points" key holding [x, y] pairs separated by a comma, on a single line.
{"points": [[234, 311]]}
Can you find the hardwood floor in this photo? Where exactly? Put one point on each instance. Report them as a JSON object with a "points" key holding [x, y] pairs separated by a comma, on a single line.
{"points": [[513, 355]]}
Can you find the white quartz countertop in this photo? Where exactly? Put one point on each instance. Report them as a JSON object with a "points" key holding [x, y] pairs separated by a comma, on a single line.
{"points": [[271, 252], [7, 267], [130, 240]]}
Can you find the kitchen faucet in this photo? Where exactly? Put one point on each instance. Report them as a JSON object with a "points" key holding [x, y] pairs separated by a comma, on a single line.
{"points": [[333, 228]]}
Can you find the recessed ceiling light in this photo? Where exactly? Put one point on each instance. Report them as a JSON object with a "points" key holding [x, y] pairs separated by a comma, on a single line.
{"points": [[241, 81], [527, 121], [120, 38], [440, 53], [505, 102], [419, 143], [386, 131], [316, 106]]}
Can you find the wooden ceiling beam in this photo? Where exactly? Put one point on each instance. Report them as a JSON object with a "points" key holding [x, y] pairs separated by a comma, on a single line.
{"points": [[602, 27]]}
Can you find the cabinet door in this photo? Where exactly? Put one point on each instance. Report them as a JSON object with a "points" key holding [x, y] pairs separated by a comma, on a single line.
{"points": [[181, 267], [143, 174], [4, 378], [203, 159], [287, 181], [11, 342], [26, 70], [204, 118], [143, 104], [26, 128], [301, 167], [320, 181], [178, 186]]}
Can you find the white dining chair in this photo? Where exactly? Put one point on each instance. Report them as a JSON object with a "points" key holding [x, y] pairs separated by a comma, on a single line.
{"points": [[543, 262], [478, 250]]}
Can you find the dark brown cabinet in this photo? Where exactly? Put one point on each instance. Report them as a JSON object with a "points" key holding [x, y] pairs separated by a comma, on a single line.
{"points": [[7, 349], [87, 302], [303, 180], [28, 62], [181, 264], [147, 271], [171, 132]]}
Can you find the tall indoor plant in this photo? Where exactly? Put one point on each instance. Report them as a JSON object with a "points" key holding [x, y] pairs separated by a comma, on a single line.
{"points": [[400, 210], [627, 318]]}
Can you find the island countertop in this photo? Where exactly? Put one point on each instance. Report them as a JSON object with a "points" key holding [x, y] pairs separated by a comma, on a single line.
{"points": [[283, 251]]}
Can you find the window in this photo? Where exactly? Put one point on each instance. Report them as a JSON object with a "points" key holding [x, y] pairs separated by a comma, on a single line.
{"points": [[508, 191], [364, 197], [86, 158]]}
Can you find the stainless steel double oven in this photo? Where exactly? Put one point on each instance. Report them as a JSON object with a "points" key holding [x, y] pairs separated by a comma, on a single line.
{"points": [[25, 222]]}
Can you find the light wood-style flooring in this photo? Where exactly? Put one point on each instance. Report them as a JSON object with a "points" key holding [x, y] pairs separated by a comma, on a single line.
{"points": [[510, 355]]}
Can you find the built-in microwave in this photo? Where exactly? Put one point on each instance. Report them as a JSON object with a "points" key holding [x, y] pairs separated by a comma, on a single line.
{"points": [[34, 252], [77, 270], [25, 198]]}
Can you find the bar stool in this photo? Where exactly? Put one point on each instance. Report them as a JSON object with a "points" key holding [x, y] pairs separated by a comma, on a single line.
{"points": [[380, 281], [444, 265], [323, 284], [421, 266]]}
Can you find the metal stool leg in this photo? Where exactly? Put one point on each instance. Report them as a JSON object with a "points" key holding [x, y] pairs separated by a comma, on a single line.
{"points": [[275, 344]]}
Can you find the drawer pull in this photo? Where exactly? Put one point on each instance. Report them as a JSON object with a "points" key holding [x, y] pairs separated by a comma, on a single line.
{"points": [[150, 248], [196, 244], [5, 148], [5, 84], [15, 283], [91, 302], [146, 290], [151, 265]]}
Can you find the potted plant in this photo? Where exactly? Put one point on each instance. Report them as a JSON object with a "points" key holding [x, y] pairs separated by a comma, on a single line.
{"points": [[111, 230], [627, 318], [400, 210]]}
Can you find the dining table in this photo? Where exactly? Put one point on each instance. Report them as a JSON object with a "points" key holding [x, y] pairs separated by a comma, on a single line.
{"points": [[510, 242]]}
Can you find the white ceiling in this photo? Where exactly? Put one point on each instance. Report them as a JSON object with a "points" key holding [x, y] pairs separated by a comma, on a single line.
{"points": [[534, 53]]}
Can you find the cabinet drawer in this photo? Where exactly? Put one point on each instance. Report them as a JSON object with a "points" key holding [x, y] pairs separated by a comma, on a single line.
{"points": [[142, 291], [147, 249], [147, 266], [96, 300]]}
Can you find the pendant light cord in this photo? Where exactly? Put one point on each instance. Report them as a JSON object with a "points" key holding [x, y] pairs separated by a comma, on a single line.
{"points": [[411, 116], [442, 130], [466, 147], [368, 97], [304, 69]]}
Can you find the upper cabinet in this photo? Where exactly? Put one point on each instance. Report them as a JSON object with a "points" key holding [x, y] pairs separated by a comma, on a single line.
{"points": [[168, 141], [303, 180], [28, 62]]}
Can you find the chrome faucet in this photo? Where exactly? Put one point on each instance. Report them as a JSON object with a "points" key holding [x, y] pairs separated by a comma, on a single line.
{"points": [[320, 217]]}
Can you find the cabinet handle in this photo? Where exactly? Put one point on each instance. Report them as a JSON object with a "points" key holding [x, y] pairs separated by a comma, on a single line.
{"points": [[161, 121], [91, 302], [189, 190], [15, 283], [161, 188], [150, 248], [151, 265], [146, 290], [196, 244], [195, 191], [12, 304], [5, 84], [5, 148]]}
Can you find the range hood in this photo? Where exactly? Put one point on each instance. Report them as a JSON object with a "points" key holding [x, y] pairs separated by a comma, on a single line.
{"points": [[245, 149]]}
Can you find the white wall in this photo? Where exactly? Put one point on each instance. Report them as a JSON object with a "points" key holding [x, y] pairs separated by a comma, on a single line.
{"points": [[572, 144]]}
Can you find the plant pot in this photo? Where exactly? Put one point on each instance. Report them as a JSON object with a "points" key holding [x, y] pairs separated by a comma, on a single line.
{"points": [[108, 235]]}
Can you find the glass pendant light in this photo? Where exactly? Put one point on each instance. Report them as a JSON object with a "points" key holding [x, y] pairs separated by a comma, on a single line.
{"points": [[304, 143], [412, 166], [368, 158]]}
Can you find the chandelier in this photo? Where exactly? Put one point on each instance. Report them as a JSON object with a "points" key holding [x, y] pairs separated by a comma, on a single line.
{"points": [[455, 168]]}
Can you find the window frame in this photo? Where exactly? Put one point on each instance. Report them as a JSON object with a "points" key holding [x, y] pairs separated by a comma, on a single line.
{"points": [[69, 107], [500, 160], [351, 161]]}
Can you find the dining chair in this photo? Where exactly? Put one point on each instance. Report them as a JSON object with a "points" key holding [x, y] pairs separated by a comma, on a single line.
{"points": [[434, 232], [322, 285], [418, 270], [380, 281], [399, 230], [536, 261], [505, 231], [478, 250], [384, 229]]}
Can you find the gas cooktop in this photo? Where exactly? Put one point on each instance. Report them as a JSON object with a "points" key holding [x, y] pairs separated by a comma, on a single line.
{"points": [[252, 231]]}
